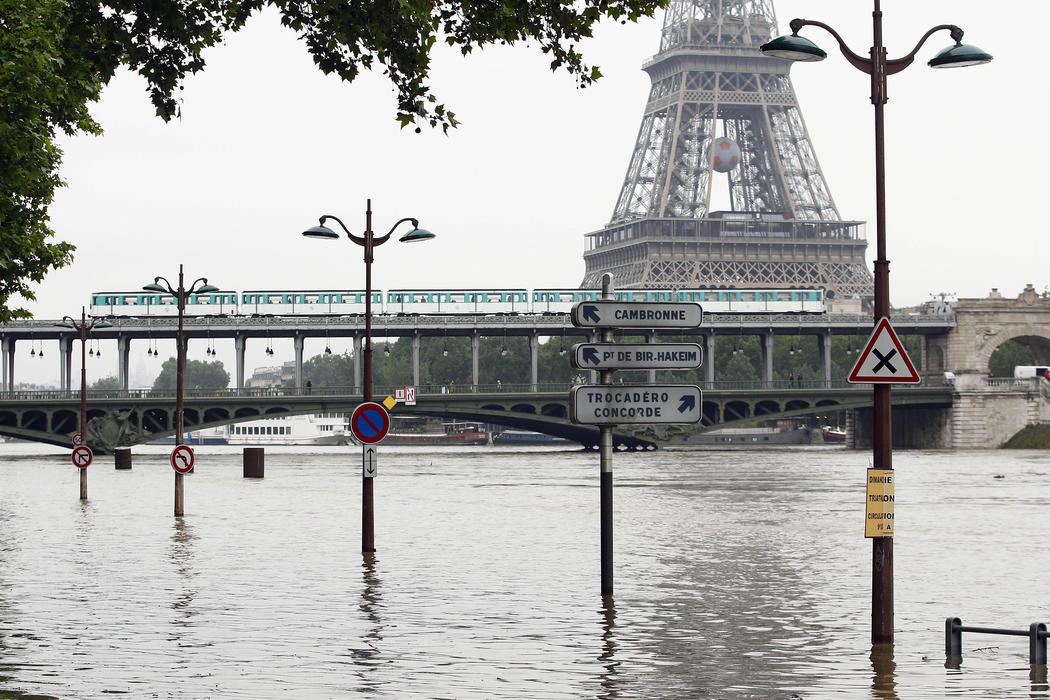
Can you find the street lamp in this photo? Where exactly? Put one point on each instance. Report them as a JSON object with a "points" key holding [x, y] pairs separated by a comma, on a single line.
{"points": [[83, 327], [878, 66], [181, 293], [368, 240]]}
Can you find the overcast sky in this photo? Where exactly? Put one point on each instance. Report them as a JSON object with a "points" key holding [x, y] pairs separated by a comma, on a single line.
{"points": [[266, 144]]}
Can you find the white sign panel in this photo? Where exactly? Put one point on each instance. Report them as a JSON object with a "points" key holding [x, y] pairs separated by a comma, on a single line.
{"points": [[369, 460], [627, 314], [643, 356], [612, 404], [884, 359]]}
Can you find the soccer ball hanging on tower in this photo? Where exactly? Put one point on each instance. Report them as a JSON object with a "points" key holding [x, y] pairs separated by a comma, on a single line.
{"points": [[725, 154]]}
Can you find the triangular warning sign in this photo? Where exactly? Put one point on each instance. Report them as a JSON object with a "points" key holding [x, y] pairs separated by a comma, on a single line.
{"points": [[884, 360]]}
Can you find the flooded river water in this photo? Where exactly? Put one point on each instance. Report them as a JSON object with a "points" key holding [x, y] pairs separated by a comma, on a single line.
{"points": [[738, 574]]}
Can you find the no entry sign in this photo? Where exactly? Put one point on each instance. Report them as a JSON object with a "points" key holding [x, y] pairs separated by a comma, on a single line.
{"points": [[370, 423], [182, 459], [81, 456]]}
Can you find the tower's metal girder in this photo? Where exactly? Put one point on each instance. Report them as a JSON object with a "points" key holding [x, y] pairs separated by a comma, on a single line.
{"points": [[709, 80]]}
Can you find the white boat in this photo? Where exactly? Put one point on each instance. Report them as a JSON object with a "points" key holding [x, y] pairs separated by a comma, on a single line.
{"points": [[309, 429]]}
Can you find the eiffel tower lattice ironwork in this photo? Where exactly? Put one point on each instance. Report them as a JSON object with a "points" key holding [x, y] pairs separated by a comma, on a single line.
{"points": [[711, 87]]}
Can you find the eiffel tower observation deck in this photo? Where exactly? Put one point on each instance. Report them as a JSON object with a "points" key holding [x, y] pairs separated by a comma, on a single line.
{"points": [[722, 120]]}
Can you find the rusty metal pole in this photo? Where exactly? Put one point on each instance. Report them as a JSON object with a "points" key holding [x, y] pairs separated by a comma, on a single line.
{"points": [[882, 443], [367, 482], [605, 447]]}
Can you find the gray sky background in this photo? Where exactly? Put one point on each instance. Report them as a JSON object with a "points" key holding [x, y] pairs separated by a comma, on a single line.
{"points": [[266, 144]]}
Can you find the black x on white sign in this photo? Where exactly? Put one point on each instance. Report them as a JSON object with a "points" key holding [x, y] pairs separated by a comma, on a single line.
{"points": [[884, 359]]}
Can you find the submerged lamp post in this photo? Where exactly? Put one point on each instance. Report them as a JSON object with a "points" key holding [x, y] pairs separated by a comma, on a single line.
{"points": [[181, 293], [368, 240], [83, 327], [878, 66]]}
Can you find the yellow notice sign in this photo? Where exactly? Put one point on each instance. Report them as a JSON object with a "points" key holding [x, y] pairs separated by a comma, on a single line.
{"points": [[878, 518]]}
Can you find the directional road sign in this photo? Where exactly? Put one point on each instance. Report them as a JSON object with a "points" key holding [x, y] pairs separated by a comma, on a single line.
{"points": [[182, 459], [884, 359], [369, 460], [642, 356], [634, 314], [81, 456], [369, 423], [611, 404]]}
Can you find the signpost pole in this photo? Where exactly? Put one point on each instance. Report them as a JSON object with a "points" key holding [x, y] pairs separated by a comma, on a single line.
{"points": [[605, 446]]}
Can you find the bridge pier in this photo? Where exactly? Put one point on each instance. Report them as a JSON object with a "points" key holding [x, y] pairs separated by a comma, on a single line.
{"points": [[357, 364], [7, 356], [767, 358], [709, 358], [297, 343], [534, 351], [65, 364], [239, 345], [123, 361], [475, 350], [824, 348], [415, 358]]}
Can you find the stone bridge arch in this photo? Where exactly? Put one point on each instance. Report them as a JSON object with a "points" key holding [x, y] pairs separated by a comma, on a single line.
{"points": [[985, 324]]}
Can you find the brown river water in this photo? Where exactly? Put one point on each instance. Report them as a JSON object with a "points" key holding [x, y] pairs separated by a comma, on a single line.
{"points": [[738, 574]]}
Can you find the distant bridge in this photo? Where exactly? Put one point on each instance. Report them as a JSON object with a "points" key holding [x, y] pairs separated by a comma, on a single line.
{"points": [[121, 418]]}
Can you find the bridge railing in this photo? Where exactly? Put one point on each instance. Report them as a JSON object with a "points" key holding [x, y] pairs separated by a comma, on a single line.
{"points": [[381, 392]]}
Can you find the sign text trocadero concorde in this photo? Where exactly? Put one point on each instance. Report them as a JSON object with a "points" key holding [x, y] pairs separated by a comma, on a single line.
{"points": [[607, 404], [634, 314], [641, 356]]}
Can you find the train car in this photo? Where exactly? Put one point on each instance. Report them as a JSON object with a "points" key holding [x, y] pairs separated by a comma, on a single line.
{"points": [[560, 301], [456, 301], [308, 302], [756, 300], [143, 303]]}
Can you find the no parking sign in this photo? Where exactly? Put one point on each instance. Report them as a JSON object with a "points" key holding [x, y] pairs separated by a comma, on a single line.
{"points": [[370, 423]]}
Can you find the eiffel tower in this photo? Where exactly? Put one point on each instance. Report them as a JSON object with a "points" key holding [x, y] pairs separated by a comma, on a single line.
{"points": [[715, 95]]}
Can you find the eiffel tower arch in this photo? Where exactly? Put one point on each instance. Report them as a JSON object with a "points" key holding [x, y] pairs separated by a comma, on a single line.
{"points": [[714, 92]]}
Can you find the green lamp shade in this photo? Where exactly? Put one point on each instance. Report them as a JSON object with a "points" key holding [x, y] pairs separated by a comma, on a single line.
{"points": [[206, 289], [64, 324], [416, 234], [103, 324], [792, 47], [960, 56], [154, 287], [320, 232]]}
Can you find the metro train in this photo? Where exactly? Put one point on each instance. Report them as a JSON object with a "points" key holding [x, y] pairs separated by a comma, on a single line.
{"points": [[342, 302]]}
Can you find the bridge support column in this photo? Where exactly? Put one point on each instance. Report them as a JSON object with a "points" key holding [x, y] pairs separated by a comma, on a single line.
{"points": [[7, 354], [239, 345], [357, 364], [475, 350], [297, 343], [824, 346], [767, 359], [415, 359], [534, 351], [65, 362], [123, 360], [709, 360]]}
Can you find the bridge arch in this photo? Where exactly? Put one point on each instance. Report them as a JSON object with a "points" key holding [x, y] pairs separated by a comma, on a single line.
{"points": [[985, 324]]}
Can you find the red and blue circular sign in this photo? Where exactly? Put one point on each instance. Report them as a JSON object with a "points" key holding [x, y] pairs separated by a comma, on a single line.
{"points": [[370, 423]]}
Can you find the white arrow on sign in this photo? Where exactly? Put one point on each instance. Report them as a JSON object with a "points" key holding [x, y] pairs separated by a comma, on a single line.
{"points": [[633, 314], [369, 460], [640, 356], [610, 404]]}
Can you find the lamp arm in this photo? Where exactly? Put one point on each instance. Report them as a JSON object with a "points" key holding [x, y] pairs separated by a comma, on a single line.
{"points": [[896, 65], [858, 61], [383, 239], [193, 285], [359, 240]]}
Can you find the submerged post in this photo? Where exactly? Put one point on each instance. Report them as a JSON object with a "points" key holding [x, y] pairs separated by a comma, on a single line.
{"points": [[605, 447]]}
